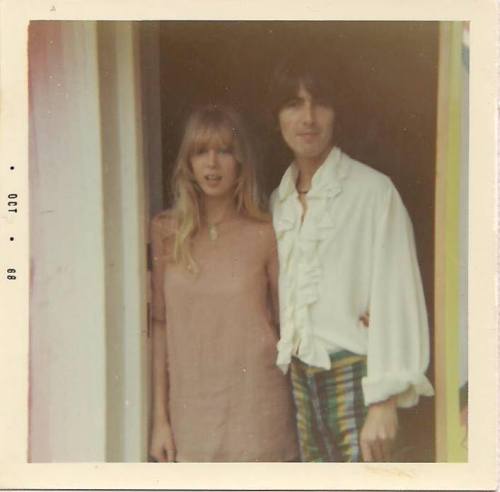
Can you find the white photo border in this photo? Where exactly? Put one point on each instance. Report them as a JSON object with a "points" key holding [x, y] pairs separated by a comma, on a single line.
{"points": [[478, 473]]}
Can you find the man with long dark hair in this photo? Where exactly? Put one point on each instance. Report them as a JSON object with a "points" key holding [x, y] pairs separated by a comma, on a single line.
{"points": [[353, 320]]}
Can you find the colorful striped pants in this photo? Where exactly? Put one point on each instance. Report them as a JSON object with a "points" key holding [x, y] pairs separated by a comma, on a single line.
{"points": [[330, 408]]}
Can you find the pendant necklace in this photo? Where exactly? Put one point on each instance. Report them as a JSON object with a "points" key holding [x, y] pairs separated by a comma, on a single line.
{"points": [[213, 234], [213, 228]]}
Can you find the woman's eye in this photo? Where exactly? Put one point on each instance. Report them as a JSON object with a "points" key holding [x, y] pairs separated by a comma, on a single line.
{"points": [[323, 103], [224, 151]]}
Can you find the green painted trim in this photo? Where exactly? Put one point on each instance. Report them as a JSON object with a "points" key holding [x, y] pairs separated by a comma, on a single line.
{"points": [[455, 432]]}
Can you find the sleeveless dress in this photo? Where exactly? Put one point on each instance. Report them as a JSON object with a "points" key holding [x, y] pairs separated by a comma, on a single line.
{"points": [[227, 399]]}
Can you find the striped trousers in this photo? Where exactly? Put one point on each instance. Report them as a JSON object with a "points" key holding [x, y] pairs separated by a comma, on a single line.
{"points": [[330, 408]]}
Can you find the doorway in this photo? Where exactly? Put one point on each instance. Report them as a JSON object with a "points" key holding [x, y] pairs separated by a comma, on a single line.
{"points": [[386, 117]]}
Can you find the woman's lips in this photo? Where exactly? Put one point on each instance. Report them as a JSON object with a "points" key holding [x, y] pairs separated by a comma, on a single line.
{"points": [[213, 179]]}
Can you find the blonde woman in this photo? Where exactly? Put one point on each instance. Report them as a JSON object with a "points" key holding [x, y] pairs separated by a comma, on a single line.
{"points": [[218, 395]]}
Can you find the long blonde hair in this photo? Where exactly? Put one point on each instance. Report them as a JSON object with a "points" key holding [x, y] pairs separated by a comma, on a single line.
{"points": [[208, 126]]}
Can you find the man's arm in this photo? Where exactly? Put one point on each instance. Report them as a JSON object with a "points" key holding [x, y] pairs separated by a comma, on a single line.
{"points": [[398, 345]]}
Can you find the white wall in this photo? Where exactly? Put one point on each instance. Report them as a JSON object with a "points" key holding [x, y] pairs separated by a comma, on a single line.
{"points": [[125, 235], [88, 233], [67, 312]]}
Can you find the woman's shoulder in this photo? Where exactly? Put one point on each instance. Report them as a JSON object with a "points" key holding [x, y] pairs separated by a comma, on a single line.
{"points": [[164, 223], [261, 227]]}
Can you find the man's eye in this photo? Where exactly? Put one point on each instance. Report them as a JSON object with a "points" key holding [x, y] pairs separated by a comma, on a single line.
{"points": [[292, 103]]}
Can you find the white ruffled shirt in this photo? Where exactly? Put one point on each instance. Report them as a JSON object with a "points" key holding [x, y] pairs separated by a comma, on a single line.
{"points": [[354, 253]]}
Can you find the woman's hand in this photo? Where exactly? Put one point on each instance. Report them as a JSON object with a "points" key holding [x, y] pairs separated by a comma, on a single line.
{"points": [[162, 447]]}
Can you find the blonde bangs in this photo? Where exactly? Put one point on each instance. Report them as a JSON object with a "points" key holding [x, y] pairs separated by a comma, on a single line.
{"points": [[212, 136]]}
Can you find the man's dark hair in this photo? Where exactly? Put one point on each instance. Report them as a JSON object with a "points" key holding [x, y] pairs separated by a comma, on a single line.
{"points": [[296, 70]]}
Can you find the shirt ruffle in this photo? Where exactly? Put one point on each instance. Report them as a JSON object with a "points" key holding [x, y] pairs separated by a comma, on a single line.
{"points": [[304, 276]]}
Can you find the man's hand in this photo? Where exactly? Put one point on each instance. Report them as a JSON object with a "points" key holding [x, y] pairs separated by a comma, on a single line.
{"points": [[365, 319], [379, 431], [162, 443]]}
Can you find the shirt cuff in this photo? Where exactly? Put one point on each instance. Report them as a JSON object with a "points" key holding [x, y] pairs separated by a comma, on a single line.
{"points": [[406, 386]]}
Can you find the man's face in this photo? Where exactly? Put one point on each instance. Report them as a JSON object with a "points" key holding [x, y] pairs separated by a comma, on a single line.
{"points": [[307, 126]]}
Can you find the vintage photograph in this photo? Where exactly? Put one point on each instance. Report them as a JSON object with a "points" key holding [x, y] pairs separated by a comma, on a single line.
{"points": [[248, 248], [248, 241]]}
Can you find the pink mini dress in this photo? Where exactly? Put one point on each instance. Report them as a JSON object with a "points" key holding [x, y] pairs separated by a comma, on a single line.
{"points": [[227, 399]]}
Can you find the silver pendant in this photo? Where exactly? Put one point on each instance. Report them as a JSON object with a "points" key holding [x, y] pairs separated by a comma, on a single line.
{"points": [[212, 232]]}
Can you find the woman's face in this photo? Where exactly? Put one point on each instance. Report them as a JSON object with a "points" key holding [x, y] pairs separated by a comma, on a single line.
{"points": [[215, 168]]}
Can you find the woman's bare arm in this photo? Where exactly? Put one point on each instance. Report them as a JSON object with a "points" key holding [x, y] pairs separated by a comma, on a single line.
{"points": [[162, 443]]}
